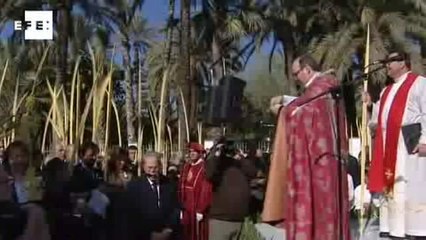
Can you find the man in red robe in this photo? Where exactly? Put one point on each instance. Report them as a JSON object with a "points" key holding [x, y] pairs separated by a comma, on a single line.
{"points": [[195, 195], [313, 209]]}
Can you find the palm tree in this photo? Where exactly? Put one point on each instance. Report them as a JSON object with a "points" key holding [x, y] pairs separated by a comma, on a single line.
{"points": [[189, 92], [131, 31], [290, 25], [216, 32], [63, 33], [19, 94], [392, 23], [330, 28]]}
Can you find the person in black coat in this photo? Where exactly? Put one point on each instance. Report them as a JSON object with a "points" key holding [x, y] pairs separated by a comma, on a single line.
{"points": [[13, 219], [56, 196], [354, 169], [151, 208], [86, 176]]}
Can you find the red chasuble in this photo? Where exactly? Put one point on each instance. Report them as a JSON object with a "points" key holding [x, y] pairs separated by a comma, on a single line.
{"points": [[382, 171], [312, 210], [195, 196]]}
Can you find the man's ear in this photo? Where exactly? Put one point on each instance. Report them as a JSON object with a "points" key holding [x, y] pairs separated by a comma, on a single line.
{"points": [[308, 69]]}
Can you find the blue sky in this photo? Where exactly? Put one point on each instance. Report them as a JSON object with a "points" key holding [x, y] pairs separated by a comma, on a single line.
{"points": [[156, 11]]}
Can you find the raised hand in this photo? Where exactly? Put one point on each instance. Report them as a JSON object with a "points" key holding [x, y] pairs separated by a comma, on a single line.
{"points": [[366, 98]]}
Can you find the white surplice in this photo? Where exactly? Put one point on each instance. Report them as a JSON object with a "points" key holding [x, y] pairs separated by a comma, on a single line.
{"points": [[405, 213]]}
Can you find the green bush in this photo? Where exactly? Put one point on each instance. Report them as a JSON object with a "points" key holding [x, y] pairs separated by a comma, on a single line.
{"points": [[249, 231]]}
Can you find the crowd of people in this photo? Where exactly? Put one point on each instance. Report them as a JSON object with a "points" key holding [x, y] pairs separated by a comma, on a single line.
{"points": [[207, 196]]}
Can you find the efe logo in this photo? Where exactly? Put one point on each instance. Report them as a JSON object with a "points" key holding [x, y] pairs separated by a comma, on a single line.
{"points": [[37, 25]]}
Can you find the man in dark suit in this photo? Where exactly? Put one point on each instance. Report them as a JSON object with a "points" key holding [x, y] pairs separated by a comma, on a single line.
{"points": [[151, 204], [86, 176]]}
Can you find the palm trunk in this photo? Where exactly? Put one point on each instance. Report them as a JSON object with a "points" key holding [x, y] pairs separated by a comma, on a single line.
{"points": [[194, 93], [139, 137], [186, 83], [131, 136], [217, 68], [170, 31], [62, 48], [62, 43], [218, 71]]}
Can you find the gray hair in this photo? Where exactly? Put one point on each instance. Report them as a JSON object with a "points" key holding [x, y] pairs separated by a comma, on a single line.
{"points": [[155, 155]]}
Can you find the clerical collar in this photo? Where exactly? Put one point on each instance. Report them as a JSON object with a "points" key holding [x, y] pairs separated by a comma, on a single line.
{"points": [[312, 79], [197, 162], [402, 77]]}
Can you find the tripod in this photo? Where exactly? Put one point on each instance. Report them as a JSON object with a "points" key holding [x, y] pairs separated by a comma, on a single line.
{"points": [[336, 94]]}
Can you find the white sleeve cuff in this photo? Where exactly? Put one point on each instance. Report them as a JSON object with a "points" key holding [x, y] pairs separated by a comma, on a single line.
{"points": [[288, 99]]}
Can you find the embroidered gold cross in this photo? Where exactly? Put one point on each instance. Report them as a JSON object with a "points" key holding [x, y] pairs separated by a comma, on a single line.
{"points": [[388, 174]]}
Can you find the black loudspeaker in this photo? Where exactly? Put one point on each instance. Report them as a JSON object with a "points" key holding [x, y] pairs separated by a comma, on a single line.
{"points": [[223, 104]]}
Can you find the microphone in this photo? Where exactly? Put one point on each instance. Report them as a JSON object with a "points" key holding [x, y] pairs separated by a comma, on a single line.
{"points": [[387, 60], [263, 124]]}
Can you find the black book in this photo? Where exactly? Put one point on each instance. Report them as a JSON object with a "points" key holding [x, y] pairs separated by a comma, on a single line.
{"points": [[411, 134]]}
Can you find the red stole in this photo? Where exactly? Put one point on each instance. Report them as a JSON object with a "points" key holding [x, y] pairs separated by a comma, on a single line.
{"points": [[382, 171]]}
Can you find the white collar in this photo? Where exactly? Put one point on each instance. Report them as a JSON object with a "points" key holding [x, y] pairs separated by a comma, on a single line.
{"points": [[402, 77], [312, 79], [197, 162]]}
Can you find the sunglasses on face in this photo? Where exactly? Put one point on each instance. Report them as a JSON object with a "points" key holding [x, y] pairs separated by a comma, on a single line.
{"points": [[390, 60]]}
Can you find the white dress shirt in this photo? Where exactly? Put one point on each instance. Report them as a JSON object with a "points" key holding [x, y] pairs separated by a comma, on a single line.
{"points": [[21, 191], [359, 203]]}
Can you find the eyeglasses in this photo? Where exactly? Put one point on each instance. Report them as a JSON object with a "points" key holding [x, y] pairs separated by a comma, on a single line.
{"points": [[295, 74]]}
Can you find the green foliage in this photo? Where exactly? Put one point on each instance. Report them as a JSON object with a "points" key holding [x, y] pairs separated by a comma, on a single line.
{"points": [[262, 85], [249, 231]]}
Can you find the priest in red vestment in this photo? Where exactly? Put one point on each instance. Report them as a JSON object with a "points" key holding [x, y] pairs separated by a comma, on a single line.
{"points": [[313, 209], [195, 195]]}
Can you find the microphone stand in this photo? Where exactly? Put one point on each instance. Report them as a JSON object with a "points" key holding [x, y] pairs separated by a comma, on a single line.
{"points": [[337, 89], [336, 93]]}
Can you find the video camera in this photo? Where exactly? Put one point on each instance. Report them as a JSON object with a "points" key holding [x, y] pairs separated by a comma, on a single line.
{"points": [[225, 146]]}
